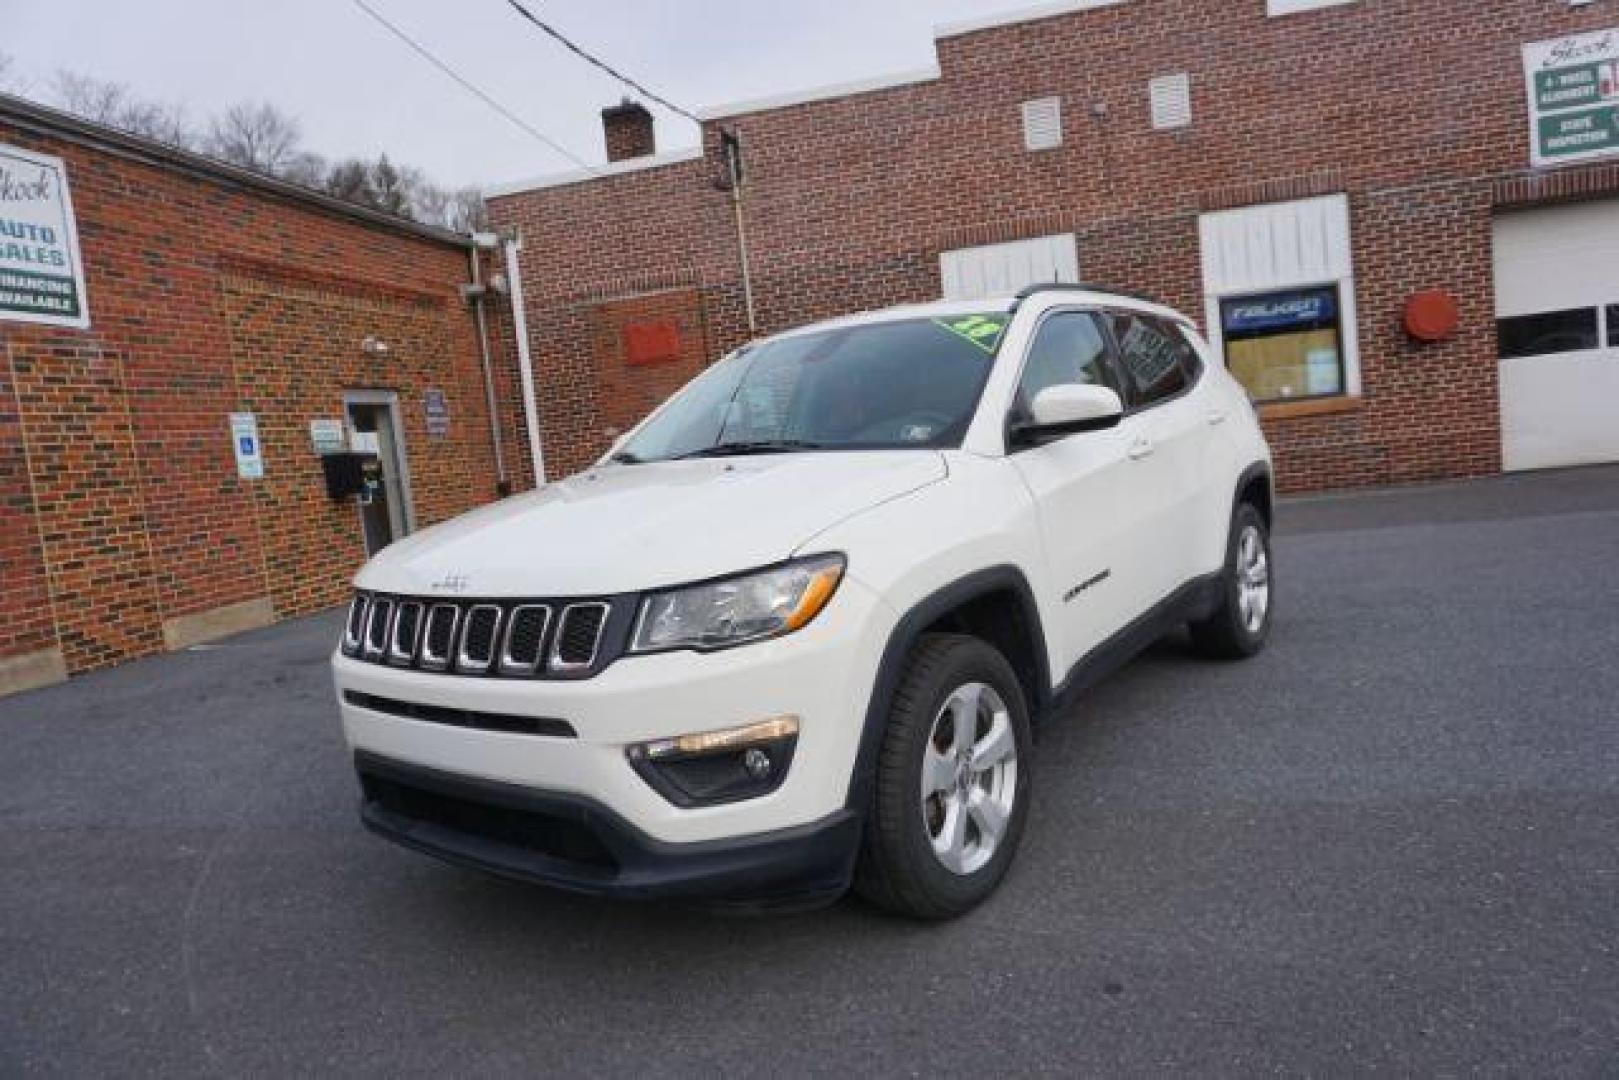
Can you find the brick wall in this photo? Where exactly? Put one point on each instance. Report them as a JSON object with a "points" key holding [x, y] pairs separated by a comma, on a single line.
{"points": [[1415, 108], [122, 509]]}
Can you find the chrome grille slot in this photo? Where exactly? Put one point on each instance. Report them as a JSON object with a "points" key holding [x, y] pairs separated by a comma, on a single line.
{"points": [[478, 637], [578, 636], [525, 636], [407, 629], [377, 625], [519, 638], [439, 639], [354, 627]]}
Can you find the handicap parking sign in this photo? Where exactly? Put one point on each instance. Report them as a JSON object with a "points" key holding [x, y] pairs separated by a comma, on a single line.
{"points": [[244, 429]]}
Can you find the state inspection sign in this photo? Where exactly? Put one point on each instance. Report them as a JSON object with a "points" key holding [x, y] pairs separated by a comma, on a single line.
{"points": [[1573, 85]]}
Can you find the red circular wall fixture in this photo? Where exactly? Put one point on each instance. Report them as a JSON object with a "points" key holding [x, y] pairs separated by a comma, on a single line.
{"points": [[1431, 315]]}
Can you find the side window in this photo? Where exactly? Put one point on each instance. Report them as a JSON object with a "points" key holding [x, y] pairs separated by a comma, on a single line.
{"points": [[1152, 357], [1191, 359], [1070, 347]]}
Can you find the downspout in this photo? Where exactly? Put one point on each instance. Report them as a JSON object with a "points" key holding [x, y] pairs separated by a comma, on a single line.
{"points": [[525, 364], [482, 242], [733, 157]]}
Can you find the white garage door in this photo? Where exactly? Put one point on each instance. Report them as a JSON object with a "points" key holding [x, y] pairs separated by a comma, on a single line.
{"points": [[977, 273], [1557, 311]]}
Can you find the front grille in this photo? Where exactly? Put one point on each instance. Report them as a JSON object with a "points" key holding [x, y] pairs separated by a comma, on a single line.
{"points": [[534, 639], [442, 619], [578, 635], [467, 718], [478, 639], [354, 627], [525, 639], [376, 627], [407, 628]]}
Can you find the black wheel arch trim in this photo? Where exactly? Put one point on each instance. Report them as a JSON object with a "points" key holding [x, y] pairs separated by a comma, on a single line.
{"points": [[905, 635], [1257, 471]]}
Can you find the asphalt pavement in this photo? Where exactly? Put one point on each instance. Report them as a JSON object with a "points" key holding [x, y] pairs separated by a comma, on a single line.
{"points": [[1389, 844]]}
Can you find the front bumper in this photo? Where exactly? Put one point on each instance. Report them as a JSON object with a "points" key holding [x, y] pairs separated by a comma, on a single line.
{"points": [[576, 843], [578, 731]]}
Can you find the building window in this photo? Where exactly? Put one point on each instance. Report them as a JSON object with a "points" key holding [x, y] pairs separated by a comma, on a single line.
{"points": [[1279, 289], [1613, 326], [1285, 345], [1548, 332]]}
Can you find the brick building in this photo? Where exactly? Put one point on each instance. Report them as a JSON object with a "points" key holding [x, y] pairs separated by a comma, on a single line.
{"points": [[127, 523], [1415, 277]]}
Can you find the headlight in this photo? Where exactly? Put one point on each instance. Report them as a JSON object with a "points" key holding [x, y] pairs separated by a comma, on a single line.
{"points": [[749, 607]]}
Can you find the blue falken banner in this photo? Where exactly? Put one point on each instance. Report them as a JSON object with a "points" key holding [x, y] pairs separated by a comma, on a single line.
{"points": [[1279, 311]]}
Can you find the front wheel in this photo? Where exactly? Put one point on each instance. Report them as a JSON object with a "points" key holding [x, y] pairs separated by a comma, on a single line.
{"points": [[952, 785], [1240, 623]]}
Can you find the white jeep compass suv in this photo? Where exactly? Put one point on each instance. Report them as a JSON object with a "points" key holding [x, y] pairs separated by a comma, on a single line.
{"points": [[792, 633]]}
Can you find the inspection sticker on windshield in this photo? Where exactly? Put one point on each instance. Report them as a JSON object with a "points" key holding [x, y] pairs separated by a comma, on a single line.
{"points": [[982, 330]]}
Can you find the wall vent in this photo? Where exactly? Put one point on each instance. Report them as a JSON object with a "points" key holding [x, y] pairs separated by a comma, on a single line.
{"points": [[1042, 124], [1171, 101]]}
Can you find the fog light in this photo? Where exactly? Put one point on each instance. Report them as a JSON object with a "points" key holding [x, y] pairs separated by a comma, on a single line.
{"points": [[718, 766], [757, 762]]}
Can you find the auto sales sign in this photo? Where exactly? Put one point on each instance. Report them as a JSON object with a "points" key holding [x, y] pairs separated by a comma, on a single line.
{"points": [[1573, 87], [41, 274]]}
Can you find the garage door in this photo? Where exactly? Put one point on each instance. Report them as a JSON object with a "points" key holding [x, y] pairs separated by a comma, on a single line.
{"points": [[1557, 311]]}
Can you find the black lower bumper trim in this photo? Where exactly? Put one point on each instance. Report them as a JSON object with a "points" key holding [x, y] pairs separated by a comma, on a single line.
{"points": [[575, 843]]}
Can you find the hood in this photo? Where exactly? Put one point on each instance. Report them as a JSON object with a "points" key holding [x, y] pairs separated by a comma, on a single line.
{"points": [[624, 528]]}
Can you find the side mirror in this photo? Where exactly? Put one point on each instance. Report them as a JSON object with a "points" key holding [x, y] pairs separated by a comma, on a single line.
{"points": [[1065, 410]]}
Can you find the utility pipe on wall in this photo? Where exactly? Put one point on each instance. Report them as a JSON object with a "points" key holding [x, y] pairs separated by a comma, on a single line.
{"points": [[480, 242], [732, 144], [525, 364]]}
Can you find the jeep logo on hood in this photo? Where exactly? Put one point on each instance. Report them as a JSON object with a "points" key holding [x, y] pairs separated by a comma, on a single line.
{"points": [[455, 583]]}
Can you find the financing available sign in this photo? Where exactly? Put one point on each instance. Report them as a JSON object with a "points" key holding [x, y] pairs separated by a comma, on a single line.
{"points": [[41, 274], [1573, 87]]}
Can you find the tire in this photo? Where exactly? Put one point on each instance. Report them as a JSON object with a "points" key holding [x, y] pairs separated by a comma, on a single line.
{"points": [[902, 867], [1238, 627]]}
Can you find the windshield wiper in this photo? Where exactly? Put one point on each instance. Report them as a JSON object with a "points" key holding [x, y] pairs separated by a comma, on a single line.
{"points": [[754, 446], [624, 457]]}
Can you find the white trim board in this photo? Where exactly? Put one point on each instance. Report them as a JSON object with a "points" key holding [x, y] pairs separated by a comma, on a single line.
{"points": [[822, 93], [595, 172], [1032, 13]]}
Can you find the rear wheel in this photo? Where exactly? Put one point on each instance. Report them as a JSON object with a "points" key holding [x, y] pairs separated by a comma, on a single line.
{"points": [[952, 786], [1238, 626]]}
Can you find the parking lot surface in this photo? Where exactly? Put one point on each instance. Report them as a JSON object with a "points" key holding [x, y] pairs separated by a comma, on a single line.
{"points": [[1390, 843]]}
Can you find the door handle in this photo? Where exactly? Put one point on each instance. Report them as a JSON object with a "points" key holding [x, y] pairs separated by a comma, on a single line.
{"points": [[1216, 416], [1141, 448]]}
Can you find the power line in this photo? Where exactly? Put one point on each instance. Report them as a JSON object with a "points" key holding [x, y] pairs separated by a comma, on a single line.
{"points": [[602, 64], [474, 90]]}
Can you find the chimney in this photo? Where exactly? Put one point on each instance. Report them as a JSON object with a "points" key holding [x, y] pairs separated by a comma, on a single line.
{"points": [[628, 128]]}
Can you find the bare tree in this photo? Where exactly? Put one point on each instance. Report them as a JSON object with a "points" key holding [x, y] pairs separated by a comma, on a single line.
{"points": [[391, 188], [428, 201], [307, 168], [467, 212], [351, 180], [256, 136], [116, 105]]}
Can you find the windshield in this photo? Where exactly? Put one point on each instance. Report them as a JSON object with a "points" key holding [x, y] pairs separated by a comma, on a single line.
{"points": [[908, 383]]}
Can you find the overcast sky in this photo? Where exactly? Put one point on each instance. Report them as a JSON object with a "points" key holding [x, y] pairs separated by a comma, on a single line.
{"points": [[358, 90]]}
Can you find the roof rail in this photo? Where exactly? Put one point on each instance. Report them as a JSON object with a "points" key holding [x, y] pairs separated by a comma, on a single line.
{"points": [[1080, 286]]}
